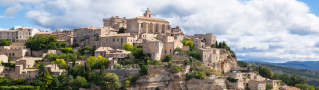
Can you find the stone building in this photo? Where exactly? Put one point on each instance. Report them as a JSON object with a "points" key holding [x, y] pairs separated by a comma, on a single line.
{"points": [[210, 56], [147, 24], [199, 43], [110, 52], [160, 48], [257, 85], [64, 36], [89, 36], [22, 33], [116, 41], [115, 22], [15, 51], [3, 58], [55, 70], [208, 37]]}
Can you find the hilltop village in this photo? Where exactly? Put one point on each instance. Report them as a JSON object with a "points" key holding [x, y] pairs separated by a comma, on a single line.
{"points": [[140, 53]]}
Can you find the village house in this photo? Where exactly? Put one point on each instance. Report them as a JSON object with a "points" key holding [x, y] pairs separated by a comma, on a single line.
{"points": [[257, 85], [110, 52], [22, 33], [116, 41]]}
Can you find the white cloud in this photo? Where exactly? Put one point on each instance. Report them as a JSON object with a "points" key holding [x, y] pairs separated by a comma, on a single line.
{"points": [[276, 30]]}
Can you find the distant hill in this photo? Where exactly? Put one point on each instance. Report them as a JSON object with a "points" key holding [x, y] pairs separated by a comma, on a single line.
{"points": [[310, 65], [311, 76]]}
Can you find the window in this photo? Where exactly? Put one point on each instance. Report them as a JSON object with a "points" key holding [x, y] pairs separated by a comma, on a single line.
{"points": [[121, 39], [29, 33], [196, 41], [162, 50], [0, 33], [170, 45], [170, 51], [12, 33], [155, 43], [29, 76], [204, 55], [1, 37], [35, 72], [7, 33], [176, 29], [12, 36], [155, 51], [7, 37], [117, 40], [216, 58]]}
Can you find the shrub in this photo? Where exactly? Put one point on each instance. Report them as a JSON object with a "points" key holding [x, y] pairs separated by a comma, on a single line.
{"points": [[178, 68], [144, 70], [169, 64], [168, 58], [232, 79], [67, 50]]}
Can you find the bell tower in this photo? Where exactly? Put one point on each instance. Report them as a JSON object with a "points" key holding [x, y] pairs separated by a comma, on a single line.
{"points": [[148, 13]]}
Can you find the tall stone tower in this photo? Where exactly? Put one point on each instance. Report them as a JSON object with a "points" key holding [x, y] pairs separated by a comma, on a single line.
{"points": [[148, 13]]}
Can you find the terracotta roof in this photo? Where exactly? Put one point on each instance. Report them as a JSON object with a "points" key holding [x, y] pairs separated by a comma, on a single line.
{"points": [[290, 88], [149, 18]]}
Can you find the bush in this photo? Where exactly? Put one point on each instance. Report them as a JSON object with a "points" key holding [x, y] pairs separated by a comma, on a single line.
{"points": [[168, 58], [75, 45], [169, 64], [67, 50], [27, 87], [178, 68], [144, 70], [187, 62], [232, 79]]}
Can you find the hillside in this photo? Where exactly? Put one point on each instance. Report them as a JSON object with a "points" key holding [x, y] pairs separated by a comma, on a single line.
{"points": [[312, 77]]}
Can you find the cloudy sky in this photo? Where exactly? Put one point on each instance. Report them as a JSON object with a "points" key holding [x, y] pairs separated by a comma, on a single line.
{"points": [[259, 30]]}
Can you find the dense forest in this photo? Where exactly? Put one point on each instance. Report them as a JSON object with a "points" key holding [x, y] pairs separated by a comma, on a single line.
{"points": [[312, 77]]}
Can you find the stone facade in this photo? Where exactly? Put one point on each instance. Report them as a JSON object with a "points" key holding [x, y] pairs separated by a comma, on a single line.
{"points": [[115, 22], [22, 33], [210, 56], [147, 24], [110, 52], [116, 41], [257, 85], [209, 38]]}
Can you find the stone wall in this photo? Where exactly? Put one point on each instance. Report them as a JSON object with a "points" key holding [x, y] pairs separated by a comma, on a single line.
{"points": [[180, 56], [37, 53], [204, 84], [186, 48], [121, 73]]}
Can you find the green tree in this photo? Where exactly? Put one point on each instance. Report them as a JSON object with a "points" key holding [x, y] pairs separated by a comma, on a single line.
{"points": [[266, 72], [92, 60], [69, 80], [185, 40], [275, 77], [9, 59], [37, 42], [128, 47], [41, 68], [303, 86], [241, 64], [202, 75], [80, 81], [4, 42], [189, 43], [179, 50], [67, 50], [75, 45], [55, 82], [144, 70], [121, 30], [46, 79], [19, 81], [102, 71], [157, 38], [37, 82], [269, 87], [61, 63], [85, 50], [168, 58], [63, 44], [12, 28], [62, 77], [110, 81]]}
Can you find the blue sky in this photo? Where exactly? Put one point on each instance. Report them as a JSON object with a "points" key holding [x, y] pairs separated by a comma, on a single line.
{"points": [[260, 30]]}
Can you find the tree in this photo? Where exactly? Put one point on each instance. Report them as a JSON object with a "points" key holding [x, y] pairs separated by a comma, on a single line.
{"points": [[75, 45], [37, 42], [69, 80], [4, 42], [80, 81], [121, 30], [168, 58], [179, 50], [202, 75], [185, 40], [19, 81], [46, 79], [67, 50], [128, 47], [189, 43], [144, 70], [157, 38], [55, 82], [61, 63], [110, 81], [62, 77], [12, 28], [85, 50], [92, 60], [93, 50], [9, 59], [303, 86], [63, 44], [37, 82], [41, 68], [269, 86], [275, 77], [102, 71], [266, 72]]}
